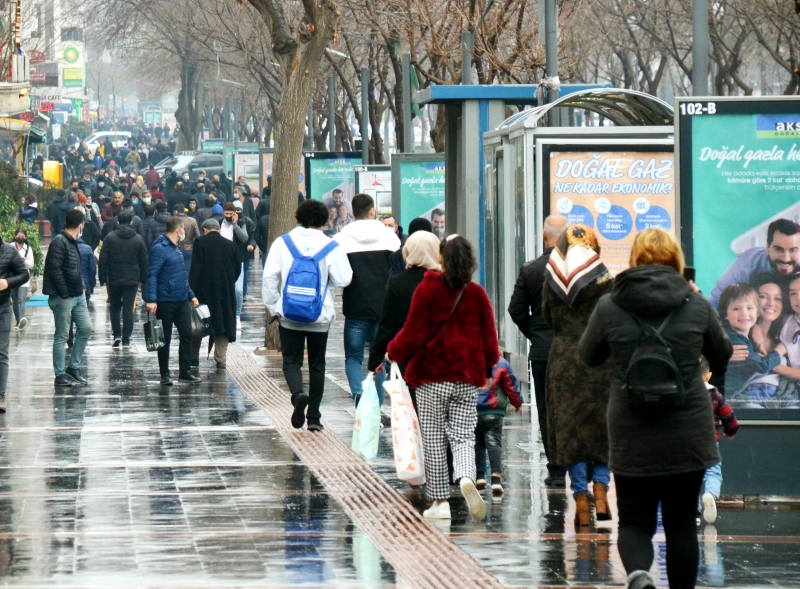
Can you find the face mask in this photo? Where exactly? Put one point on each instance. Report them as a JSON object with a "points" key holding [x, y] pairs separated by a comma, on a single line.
{"points": [[101, 184], [229, 221], [181, 237], [186, 177], [20, 240], [202, 177], [147, 200]]}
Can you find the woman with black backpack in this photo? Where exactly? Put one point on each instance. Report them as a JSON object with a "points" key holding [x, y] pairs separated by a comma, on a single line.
{"points": [[661, 432]]}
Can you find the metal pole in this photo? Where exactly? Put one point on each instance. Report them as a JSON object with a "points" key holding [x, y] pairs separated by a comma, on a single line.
{"points": [[551, 51], [700, 47], [226, 127], [408, 130], [310, 126], [236, 123], [210, 118], [331, 113], [365, 116], [467, 49]]}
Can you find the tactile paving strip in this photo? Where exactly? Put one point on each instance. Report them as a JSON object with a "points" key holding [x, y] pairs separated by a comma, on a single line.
{"points": [[419, 552]]}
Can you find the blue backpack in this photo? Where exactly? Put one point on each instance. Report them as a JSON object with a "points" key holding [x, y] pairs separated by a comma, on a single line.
{"points": [[302, 299]]}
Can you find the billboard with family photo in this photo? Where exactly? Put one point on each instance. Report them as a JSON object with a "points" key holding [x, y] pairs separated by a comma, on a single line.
{"points": [[740, 195], [618, 189], [330, 178]]}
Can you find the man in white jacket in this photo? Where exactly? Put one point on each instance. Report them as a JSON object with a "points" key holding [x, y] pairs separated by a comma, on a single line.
{"points": [[334, 270], [368, 244]]}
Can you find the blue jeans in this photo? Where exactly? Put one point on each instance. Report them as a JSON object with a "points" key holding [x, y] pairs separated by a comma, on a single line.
{"points": [[577, 477], [238, 287], [187, 259], [246, 272], [357, 332], [65, 312]]}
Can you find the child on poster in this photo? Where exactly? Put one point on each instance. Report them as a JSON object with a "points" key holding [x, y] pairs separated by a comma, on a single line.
{"points": [[739, 309]]}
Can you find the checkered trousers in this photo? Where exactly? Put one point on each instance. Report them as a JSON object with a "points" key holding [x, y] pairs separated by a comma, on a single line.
{"points": [[447, 414]]}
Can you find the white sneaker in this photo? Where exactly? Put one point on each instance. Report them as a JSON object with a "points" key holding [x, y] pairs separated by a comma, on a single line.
{"points": [[437, 511], [238, 323], [480, 484], [23, 322], [709, 508], [497, 489], [477, 508]]}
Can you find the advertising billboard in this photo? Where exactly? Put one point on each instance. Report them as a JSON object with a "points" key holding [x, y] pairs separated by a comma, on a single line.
{"points": [[617, 189], [418, 182], [331, 179], [739, 169], [377, 182]]}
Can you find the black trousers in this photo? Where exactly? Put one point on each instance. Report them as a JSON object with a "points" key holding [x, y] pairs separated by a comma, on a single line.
{"points": [[539, 376], [179, 315], [120, 301], [637, 502], [293, 344]]}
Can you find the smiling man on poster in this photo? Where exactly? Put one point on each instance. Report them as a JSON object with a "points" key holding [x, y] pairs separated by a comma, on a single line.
{"points": [[781, 257]]}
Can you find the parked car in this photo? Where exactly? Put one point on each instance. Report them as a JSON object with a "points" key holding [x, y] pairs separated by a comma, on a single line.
{"points": [[118, 139], [193, 162]]}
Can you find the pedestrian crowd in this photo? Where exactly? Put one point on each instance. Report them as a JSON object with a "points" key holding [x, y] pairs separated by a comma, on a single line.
{"points": [[410, 300]]}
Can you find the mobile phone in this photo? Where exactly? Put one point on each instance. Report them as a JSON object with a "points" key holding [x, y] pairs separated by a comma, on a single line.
{"points": [[688, 273]]}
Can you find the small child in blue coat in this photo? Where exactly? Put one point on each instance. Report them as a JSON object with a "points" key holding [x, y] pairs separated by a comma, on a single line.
{"points": [[492, 403]]}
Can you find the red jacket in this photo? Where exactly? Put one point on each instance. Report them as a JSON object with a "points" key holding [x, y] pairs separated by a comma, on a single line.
{"points": [[464, 351]]}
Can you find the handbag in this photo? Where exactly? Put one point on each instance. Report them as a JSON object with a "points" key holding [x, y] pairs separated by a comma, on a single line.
{"points": [[153, 333], [201, 321], [406, 437]]}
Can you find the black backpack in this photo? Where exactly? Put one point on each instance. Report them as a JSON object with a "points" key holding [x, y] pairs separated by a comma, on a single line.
{"points": [[653, 381]]}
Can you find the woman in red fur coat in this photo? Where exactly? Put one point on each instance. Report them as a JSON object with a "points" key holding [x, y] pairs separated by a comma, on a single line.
{"points": [[450, 343]]}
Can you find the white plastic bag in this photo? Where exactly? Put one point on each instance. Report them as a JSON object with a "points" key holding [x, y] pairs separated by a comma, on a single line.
{"points": [[406, 436], [367, 428]]}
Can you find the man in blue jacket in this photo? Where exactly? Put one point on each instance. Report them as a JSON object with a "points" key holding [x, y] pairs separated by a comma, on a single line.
{"points": [[170, 298]]}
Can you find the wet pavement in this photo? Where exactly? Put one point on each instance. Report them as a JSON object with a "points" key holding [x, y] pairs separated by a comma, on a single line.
{"points": [[124, 483]]}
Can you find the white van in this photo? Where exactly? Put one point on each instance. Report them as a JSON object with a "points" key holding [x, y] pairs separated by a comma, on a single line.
{"points": [[118, 139]]}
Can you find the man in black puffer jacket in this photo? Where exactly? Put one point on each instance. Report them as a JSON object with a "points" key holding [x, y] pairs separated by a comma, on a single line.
{"points": [[156, 225], [525, 309], [13, 274], [123, 267], [64, 283]]}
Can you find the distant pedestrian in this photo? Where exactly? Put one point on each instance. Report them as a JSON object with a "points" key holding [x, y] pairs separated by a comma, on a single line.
{"points": [[63, 281], [192, 233], [233, 228], [171, 299], [123, 268], [450, 344], [216, 265], [334, 270], [525, 309], [19, 294], [13, 274], [156, 225], [397, 262], [368, 244]]}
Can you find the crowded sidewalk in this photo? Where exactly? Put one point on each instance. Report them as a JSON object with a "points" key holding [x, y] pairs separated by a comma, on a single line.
{"points": [[126, 483]]}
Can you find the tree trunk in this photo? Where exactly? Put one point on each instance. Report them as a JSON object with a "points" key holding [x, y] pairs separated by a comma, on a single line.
{"points": [[190, 106], [300, 60]]}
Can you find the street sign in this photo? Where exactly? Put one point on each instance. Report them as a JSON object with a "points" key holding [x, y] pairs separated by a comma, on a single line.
{"points": [[37, 77], [46, 106], [36, 57], [26, 116]]}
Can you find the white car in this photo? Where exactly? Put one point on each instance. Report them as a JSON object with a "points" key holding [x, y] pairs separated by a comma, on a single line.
{"points": [[118, 139]]}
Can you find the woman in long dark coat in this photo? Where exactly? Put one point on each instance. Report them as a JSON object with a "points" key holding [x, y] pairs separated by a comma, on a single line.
{"points": [[216, 264], [577, 396]]}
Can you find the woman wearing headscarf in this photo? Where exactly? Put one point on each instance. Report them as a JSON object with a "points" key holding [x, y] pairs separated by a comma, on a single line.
{"points": [[450, 343], [421, 253], [577, 396], [138, 187]]}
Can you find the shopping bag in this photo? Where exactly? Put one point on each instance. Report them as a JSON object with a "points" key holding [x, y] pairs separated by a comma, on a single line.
{"points": [[406, 436], [153, 333], [201, 321], [367, 427]]}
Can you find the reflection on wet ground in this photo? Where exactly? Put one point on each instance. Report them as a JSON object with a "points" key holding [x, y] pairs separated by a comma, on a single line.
{"points": [[124, 483]]}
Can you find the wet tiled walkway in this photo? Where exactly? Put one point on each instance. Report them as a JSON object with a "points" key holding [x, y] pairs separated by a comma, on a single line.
{"points": [[123, 483]]}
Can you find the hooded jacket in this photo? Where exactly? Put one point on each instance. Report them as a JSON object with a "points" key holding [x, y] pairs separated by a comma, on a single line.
{"points": [[88, 266], [13, 268], [334, 270], [368, 244], [674, 442], [123, 258], [52, 214], [154, 226]]}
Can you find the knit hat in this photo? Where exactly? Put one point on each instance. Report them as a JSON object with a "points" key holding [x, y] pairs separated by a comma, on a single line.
{"points": [[419, 224], [422, 249], [216, 209], [210, 224]]}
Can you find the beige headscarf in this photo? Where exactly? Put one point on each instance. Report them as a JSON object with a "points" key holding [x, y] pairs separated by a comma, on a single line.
{"points": [[422, 249]]}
